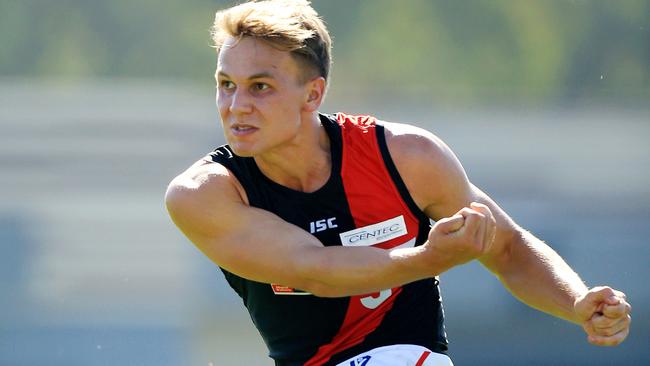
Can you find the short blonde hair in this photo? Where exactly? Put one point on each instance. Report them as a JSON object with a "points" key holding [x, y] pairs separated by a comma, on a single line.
{"points": [[288, 25]]}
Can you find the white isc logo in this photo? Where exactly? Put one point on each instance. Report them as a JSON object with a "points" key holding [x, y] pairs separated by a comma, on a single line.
{"points": [[322, 225]]}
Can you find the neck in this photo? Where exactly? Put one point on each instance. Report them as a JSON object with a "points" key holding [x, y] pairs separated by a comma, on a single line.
{"points": [[304, 164]]}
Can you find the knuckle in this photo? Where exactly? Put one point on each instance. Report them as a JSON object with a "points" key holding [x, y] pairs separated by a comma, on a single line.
{"points": [[466, 211], [470, 214], [608, 290], [608, 332], [616, 310], [609, 341], [600, 323], [620, 337], [470, 225], [597, 341], [602, 291]]}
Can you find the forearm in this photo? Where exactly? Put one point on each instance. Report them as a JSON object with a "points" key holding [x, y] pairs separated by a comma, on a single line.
{"points": [[452, 241], [297, 260], [539, 277], [342, 271]]}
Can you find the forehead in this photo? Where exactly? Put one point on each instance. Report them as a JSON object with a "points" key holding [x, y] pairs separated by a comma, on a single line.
{"points": [[250, 56]]}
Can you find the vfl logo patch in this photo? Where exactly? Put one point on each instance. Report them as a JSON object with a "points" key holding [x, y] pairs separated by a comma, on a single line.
{"points": [[375, 233], [360, 361]]}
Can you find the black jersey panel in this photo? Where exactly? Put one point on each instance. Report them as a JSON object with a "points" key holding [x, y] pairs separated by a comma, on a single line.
{"points": [[293, 326]]}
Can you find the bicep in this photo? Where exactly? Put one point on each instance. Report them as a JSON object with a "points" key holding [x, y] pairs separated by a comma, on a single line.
{"points": [[439, 184], [462, 194], [250, 242]]}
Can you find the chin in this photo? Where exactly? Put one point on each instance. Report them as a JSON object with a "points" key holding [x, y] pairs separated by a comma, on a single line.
{"points": [[243, 151]]}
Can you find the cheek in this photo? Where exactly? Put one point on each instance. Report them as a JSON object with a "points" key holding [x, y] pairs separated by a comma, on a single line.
{"points": [[222, 104], [289, 106]]}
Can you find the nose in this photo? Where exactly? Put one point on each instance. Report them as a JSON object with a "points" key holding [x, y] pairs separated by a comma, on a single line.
{"points": [[240, 102]]}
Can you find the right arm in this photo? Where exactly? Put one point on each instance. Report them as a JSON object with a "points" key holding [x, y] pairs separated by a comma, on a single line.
{"points": [[209, 207]]}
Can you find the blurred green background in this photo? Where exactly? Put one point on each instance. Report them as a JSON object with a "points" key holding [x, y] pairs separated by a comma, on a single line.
{"points": [[450, 52], [102, 103]]}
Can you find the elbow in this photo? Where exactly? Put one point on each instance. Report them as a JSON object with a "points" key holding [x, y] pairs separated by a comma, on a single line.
{"points": [[177, 199], [500, 259], [315, 274], [172, 198], [324, 290]]}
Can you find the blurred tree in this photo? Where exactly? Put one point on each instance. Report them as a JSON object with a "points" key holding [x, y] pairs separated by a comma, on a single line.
{"points": [[473, 51]]}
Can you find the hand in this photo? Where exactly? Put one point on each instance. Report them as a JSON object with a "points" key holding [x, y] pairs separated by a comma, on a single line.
{"points": [[462, 237], [605, 315]]}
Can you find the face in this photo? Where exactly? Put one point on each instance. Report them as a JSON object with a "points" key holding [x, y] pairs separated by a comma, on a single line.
{"points": [[259, 96]]}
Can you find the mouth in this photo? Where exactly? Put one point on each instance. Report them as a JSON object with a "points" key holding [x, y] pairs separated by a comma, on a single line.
{"points": [[242, 130]]}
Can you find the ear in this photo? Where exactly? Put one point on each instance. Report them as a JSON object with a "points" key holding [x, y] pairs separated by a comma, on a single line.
{"points": [[315, 94]]}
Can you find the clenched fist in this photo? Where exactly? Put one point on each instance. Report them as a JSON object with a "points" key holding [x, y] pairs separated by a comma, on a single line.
{"points": [[605, 315], [465, 236]]}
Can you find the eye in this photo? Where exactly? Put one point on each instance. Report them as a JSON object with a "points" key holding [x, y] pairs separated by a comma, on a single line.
{"points": [[226, 84], [258, 87]]}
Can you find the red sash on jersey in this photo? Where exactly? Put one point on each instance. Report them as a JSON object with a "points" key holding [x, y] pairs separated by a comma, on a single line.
{"points": [[373, 198]]}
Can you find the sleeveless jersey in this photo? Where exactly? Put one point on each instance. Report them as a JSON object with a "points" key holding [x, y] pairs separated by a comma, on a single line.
{"points": [[364, 202]]}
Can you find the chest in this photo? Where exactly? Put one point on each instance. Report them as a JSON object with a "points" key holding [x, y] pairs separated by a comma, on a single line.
{"points": [[356, 211]]}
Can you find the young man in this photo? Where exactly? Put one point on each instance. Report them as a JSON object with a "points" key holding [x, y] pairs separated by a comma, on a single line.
{"points": [[321, 222]]}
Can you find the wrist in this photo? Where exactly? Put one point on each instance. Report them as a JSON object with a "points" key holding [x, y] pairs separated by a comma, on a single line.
{"points": [[421, 261], [410, 263]]}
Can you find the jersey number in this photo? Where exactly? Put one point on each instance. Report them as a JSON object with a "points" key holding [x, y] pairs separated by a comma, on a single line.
{"points": [[372, 302]]}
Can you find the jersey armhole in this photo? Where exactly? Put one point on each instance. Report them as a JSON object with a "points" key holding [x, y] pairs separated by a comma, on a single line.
{"points": [[394, 174], [226, 158]]}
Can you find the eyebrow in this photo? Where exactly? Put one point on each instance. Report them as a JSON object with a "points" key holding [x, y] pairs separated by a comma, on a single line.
{"points": [[259, 75]]}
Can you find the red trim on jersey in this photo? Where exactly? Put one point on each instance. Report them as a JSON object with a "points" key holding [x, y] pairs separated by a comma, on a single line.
{"points": [[422, 358], [372, 197]]}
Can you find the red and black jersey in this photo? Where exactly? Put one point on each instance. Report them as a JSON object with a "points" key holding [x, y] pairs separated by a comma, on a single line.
{"points": [[364, 202]]}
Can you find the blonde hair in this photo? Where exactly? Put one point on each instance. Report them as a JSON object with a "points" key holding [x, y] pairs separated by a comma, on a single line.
{"points": [[287, 25]]}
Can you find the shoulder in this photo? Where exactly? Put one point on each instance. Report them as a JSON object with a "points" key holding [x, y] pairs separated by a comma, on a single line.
{"points": [[415, 143], [206, 189], [431, 171]]}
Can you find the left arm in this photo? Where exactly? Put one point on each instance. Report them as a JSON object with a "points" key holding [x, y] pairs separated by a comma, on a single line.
{"points": [[531, 270], [534, 273]]}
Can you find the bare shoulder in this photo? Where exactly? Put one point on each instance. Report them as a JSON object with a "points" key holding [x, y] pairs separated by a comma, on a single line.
{"points": [[412, 142], [439, 185], [205, 191], [431, 171]]}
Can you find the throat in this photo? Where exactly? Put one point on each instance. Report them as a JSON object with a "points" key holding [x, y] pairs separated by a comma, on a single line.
{"points": [[303, 175], [305, 165]]}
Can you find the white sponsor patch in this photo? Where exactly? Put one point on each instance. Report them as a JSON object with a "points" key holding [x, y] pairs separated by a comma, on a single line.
{"points": [[375, 233]]}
